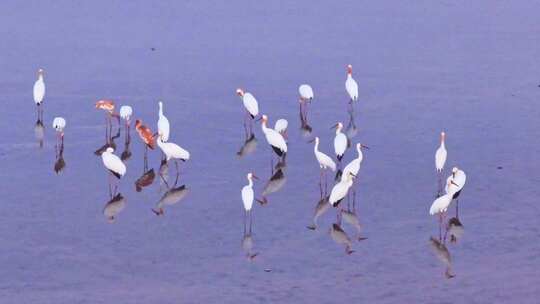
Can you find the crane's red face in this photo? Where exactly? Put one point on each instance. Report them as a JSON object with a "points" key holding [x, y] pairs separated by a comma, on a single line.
{"points": [[349, 69], [239, 92]]}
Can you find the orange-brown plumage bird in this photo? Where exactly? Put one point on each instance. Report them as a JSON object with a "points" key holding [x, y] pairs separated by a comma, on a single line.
{"points": [[145, 134], [107, 105]]}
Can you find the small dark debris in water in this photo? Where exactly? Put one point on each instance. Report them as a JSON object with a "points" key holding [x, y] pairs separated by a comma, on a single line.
{"points": [[153, 49], [499, 167], [539, 85], [268, 270]]}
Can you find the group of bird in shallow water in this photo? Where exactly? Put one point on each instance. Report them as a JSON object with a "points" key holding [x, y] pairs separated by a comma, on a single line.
{"points": [[277, 139]]}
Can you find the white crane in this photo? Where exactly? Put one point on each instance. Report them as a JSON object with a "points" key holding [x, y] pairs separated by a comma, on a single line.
{"points": [[172, 151], [440, 155], [163, 124], [325, 162], [350, 85], [340, 141], [250, 103], [340, 190], [125, 113], [274, 139], [113, 163], [59, 123], [39, 92], [354, 166]]}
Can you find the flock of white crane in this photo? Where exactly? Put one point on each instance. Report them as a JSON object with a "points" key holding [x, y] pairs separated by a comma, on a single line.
{"points": [[276, 138]]}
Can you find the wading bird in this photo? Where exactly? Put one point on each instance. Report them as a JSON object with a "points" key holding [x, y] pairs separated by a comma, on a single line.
{"points": [[325, 162], [350, 85], [163, 124], [113, 163], [354, 166], [306, 96], [340, 141], [274, 139], [59, 123], [440, 204], [341, 189], [39, 93], [440, 155], [172, 151], [250, 104], [125, 113], [108, 107], [247, 197], [455, 183]]}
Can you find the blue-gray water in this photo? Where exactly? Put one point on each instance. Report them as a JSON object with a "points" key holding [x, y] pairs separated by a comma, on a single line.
{"points": [[470, 69]]}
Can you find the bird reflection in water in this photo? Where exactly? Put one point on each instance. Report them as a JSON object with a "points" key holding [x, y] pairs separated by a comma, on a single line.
{"points": [[275, 183], [351, 130], [442, 253], [39, 131], [172, 196], [59, 163], [305, 128], [126, 154], [146, 179], [351, 217], [249, 145], [113, 207], [454, 229], [341, 238], [109, 142], [247, 242], [321, 208]]}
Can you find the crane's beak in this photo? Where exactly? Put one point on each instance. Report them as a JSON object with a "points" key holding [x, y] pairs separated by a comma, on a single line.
{"points": [[311, 141], [254, 176], [333, 127], [258, 119], [454, 183], [362, 146]]}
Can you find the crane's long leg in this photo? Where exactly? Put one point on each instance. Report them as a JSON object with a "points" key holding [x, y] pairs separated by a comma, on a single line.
{"points": [[325, 183], [440, 227], [320, 182], [245, 222], [145, 158], [165, 181], [250, 221], [354, 201]]}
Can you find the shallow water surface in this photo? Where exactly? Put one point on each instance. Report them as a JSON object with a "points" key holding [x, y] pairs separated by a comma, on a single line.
{"points": [[468, 69]]}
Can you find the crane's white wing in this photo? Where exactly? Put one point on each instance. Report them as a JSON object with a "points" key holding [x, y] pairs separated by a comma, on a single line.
{"points": [[39, 91], [251, 105], [352, 88]]}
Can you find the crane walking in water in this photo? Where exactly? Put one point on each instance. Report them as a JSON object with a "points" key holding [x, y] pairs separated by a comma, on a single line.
{"points": [[39, 93]]}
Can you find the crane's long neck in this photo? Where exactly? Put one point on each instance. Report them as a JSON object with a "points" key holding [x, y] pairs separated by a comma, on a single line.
{"points": [[160, 110], [442, 143], [316, 147], [359, 149], [263, 127], [250, 182]]}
